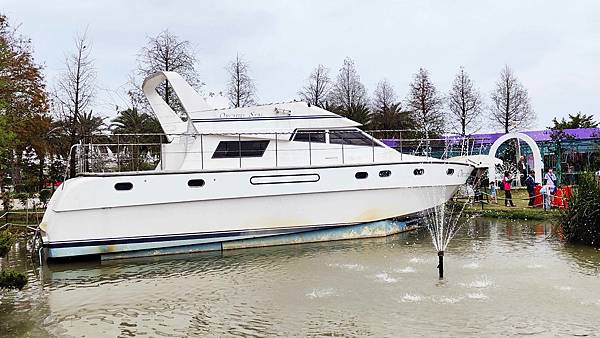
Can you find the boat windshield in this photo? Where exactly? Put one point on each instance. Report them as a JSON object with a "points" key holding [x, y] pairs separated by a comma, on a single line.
{"points": [[351, 137], [315, 136]]}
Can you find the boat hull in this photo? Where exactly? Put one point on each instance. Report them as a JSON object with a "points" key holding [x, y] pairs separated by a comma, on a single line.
{"points": [[266, 203]]}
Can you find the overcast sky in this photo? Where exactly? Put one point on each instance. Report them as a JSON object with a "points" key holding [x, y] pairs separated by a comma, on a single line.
{"points": [[553, 46]]}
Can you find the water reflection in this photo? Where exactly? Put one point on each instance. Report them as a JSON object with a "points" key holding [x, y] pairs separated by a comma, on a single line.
{"points": [[497, 272]]}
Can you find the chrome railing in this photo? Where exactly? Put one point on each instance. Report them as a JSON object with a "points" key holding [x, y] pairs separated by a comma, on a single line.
{"points": [[139, 152]]}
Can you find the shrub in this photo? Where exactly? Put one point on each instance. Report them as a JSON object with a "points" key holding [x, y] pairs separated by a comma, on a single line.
{"points": [[23, 197], [6, 241], [581, 220], [7, 202], [45, 196], [10, 279]]}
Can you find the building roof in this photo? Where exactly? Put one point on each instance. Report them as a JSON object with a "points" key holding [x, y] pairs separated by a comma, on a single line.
{"points": [[542, 135]]}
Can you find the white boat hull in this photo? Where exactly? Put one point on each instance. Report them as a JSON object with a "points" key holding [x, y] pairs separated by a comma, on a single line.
{"points": [[88, 216]]}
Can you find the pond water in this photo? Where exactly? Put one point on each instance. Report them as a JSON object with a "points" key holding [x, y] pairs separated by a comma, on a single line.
{"points": [[503, 278]]}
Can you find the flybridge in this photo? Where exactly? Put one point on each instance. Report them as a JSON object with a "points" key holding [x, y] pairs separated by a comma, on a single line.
{"points": [[284, 117]]}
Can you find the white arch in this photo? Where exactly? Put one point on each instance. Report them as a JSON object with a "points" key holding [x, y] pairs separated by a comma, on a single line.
{"points": [[538, 164], [189, 98]]}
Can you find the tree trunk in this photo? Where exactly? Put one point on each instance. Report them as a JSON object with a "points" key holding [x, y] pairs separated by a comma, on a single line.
{"points": [[5, 200], [16, 169], [41, 172]]}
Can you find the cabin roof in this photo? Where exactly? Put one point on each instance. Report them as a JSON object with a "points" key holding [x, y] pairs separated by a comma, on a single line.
{"points": [[282, 117]]}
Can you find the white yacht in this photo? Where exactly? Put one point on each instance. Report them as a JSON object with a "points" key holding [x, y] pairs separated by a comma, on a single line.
{"points": [[227, 175]]}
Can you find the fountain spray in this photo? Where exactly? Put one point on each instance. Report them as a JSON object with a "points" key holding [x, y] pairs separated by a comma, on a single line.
{"points": [[443, 223]]}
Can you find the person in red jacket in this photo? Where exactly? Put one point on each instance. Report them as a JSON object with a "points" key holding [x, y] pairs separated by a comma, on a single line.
{"points": [[507, 194]]}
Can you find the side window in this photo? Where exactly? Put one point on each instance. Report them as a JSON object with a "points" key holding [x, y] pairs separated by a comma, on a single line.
{"points": [[314, 136], [418, 172], [351, 137], [361, 175], [123, 186], [385, 173], [233, 149]]}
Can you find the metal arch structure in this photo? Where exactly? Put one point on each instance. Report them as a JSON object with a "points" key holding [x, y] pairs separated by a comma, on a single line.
{"points": [[538, 164]]}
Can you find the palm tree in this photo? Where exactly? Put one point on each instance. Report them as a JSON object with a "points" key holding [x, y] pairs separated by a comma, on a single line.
{"points": [[391, 118], [90, 124], [131, 121], [139, 125]]}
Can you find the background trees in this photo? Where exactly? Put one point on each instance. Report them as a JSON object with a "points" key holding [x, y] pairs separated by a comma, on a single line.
{"points": [[348, 95], [165, 52], [23, 98], [511, 109], [426, 105], [578, 120], [387, 111], [241, 91], [317, 87], [464, 104], [73, 97], [131, 121]]}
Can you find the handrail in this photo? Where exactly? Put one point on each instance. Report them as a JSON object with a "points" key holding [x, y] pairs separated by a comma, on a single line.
{"points": [[137, 152], [32, 227]]}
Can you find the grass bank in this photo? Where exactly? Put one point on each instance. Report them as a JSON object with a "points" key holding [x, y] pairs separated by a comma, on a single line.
{"points": [[520, 211]]}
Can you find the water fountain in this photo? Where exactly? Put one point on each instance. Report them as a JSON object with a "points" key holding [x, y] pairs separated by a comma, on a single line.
{"points": [[443, 222]]}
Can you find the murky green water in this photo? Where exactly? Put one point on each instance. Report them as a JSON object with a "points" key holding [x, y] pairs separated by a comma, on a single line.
{"points": [[503, 279]]}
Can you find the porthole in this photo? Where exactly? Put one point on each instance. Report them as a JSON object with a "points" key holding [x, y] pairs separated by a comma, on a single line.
{"points": [[123, 186], [196, 183], [450, 171], [419, 171], [385, 173], [361, 175]]}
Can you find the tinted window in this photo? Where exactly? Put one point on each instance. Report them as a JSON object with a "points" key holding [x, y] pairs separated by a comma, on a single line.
{"points": [[450, 171], [361, 174], [419, 171], [230, 149], [196, 183], [315, 136], [123, 186], [352, 137]]}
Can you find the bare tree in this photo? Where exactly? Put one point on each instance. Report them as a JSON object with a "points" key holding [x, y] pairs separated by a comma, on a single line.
{"points": [[464, 103], [511, 108], [426, 105], [317, 88], [241, 91], [384, 95], [348, 91], [75, 92], [166, 52]]}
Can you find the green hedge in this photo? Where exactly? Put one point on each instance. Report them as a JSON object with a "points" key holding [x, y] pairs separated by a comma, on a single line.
{"points": [[6, 241], [10, 279]]}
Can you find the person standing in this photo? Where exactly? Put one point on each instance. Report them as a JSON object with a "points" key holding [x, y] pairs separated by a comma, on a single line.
{"points": [[493, 191], [550, 179], [570, 174], [507, 193], [522, 167], [530, 183], [545, 191]]}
